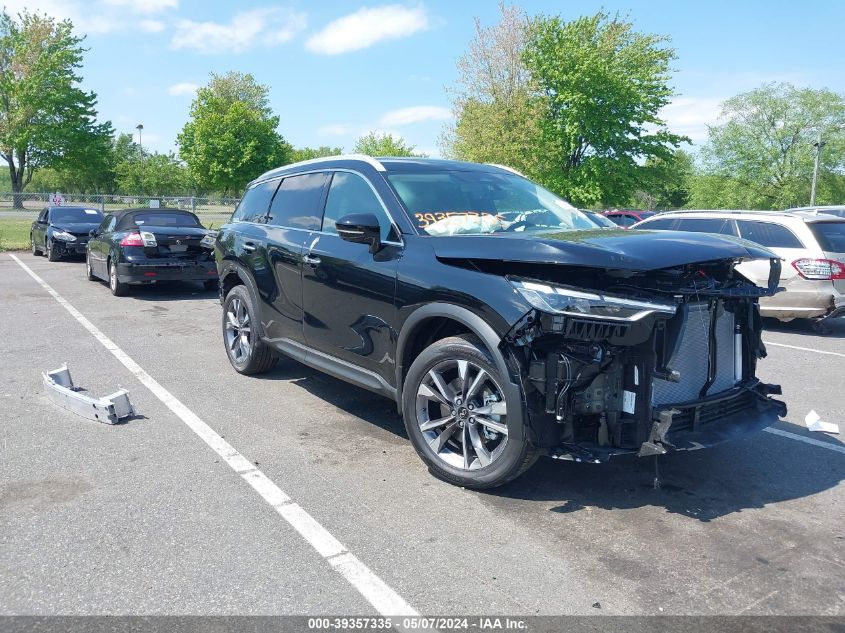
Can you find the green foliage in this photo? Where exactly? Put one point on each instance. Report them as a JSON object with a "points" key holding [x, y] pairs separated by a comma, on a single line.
{"points": [[376, 144], [154, 174], [604, 85], [497, 107], [307, 153], [232, 135], [45, 118], [665, 182], [762, 156]]}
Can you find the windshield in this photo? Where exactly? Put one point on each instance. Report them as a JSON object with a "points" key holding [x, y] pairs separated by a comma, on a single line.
{"points": [[831, 235], [482, 203], [75, 214], [168, 218]]}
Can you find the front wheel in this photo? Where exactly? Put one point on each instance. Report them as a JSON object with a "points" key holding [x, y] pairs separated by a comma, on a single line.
{"points": [[52, 254], [457, 416]]}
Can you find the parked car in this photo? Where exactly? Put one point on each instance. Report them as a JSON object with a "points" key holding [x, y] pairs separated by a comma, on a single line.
{"points": [[813, 245], [626, 219], [600, 219], [837, 210], [147, 246], [499, 339], [61, 231]]}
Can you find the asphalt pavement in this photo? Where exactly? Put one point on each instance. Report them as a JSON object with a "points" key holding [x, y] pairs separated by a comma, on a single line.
{"points": [[146, 518]]}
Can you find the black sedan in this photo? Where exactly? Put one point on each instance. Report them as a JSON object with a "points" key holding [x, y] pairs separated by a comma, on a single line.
{"points": [[60, 231], [146, 246]]}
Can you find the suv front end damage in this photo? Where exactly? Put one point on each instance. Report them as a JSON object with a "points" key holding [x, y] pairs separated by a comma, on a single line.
{"points": [[644, 361]]}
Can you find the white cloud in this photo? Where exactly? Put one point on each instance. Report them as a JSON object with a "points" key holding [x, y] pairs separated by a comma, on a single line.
{"points": [[690, 116], [84, 19], [416, 114], [368, 26], [144, 6], [182, 88], [267, 27], [152, 26]]}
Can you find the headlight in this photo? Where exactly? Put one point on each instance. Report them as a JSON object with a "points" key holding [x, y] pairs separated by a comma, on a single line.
{"points": [[63, 236], [580, 303]]}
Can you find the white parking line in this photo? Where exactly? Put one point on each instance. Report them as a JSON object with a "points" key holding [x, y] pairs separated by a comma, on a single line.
{"points": [[806, 440], [386, 601], [805, 349]]}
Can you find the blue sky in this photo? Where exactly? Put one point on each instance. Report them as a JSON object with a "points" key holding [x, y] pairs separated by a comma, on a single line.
{"points": [[338, 69]]}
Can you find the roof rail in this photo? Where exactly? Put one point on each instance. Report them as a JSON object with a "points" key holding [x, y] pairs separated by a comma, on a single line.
{"points": [[756, 211], [506, 168], [374, 163]]}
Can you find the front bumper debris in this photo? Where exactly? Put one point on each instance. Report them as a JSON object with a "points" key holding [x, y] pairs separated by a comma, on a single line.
{"points": [[108, 409]]}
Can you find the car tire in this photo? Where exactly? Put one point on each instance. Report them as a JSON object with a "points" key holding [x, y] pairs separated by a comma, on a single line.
{"points": [[453, 427], [118, 289], [245, 349], [89, 271], [52, 255], [211, 284], [36, 252]]}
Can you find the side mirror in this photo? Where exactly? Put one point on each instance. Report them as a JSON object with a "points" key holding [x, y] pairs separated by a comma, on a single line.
{"points": [[362, 228], [92, 233]]}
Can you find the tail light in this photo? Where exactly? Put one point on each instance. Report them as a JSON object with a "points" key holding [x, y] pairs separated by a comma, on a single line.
{"points": [[144, 238], [819, 268], [133, 239]]}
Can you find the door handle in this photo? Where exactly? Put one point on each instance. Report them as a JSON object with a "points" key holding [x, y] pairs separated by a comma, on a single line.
{"points": [[249, 246], [311, 260]]}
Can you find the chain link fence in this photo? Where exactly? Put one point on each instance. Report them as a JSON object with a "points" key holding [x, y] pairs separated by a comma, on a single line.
{"points": [[28, 204]]}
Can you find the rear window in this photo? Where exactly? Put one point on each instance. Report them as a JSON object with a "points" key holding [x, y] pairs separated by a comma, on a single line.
{"points": [[768, 234], [663, 224], [831, 235], [705, 225], [623, 220], [166, 218]]}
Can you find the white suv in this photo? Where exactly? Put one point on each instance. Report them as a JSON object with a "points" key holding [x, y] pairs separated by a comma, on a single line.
{"points": [[811, 245]]}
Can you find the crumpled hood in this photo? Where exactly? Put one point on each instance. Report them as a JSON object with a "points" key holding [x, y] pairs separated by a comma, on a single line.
{"points": [[600, 248], [76, 227]]}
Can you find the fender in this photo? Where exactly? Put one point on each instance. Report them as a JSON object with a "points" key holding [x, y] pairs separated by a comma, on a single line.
{"points": [[234, 267], [482, 330]]}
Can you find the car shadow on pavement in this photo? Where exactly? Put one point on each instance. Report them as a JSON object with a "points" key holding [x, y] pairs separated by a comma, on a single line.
{"points": [[170, 291], [706, 484], [370, 407], [834, 328]]}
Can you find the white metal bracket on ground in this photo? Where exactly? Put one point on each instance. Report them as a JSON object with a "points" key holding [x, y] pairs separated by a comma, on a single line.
{"points": [[108, 409]]}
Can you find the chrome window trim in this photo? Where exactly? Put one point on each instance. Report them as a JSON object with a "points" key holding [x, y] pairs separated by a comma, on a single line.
{"points": [[372, 162]]}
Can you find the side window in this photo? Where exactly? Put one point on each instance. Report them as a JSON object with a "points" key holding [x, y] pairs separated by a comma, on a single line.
{"points": [[706, 225], [42, 217], [350, 193], [109, 223], [768, 234], [297, 202], [253, 206], [625, 220], [664, 224]]}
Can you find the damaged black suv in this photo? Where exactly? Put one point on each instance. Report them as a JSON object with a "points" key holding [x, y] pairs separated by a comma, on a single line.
{"points": [[503, 322]]}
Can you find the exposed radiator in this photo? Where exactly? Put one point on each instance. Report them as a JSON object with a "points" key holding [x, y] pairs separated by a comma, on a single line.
{"points": [[691, 359]]}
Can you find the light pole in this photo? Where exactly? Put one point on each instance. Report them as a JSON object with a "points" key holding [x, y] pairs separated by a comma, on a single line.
{"points": [[818, 144], [140, 128]]}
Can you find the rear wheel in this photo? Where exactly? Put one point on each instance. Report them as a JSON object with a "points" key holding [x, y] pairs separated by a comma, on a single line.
{"points": [[247, 352], [52, 254], [456, 415], [117, 288], [35, 250], [89, 272]]}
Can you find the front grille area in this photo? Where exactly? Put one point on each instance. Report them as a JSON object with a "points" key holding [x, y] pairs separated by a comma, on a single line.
{"points": [[691, 359], [711, 412]]}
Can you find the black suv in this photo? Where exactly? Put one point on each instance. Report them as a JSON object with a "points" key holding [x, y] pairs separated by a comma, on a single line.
{"points": [[503, 322]]}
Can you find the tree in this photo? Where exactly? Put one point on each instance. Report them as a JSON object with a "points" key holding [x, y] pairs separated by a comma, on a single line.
{"points": [[762, 155], [496, 104], [377, 144], [153, 174], [232, 135], [665, 182], [603, 85], [45, 118], [307, 153]]}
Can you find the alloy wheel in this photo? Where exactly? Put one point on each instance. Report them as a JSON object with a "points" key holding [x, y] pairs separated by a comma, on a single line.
{"points": [[462, 414], [113, 277], [238, 330]]}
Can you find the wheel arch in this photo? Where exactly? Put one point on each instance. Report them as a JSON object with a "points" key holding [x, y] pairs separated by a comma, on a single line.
{"points": [[236, 274], [415, 332]]}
